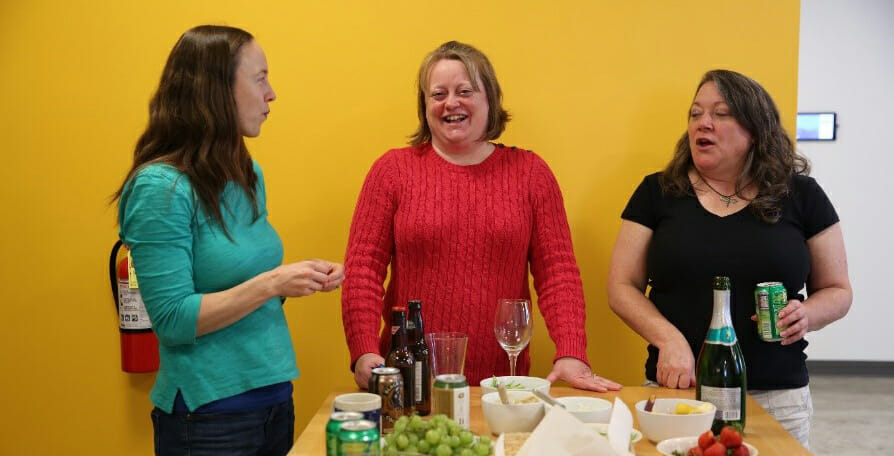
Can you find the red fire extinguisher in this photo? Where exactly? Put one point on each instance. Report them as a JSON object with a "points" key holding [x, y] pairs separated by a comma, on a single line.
{"points": [[139, 346]]}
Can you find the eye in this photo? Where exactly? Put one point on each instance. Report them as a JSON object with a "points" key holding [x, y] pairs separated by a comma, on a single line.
{"points": [[721, 113], [694, 114], [438, 95], [466, 92]]}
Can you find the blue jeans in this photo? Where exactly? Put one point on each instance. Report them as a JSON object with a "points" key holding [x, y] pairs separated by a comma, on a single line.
{"points": [[267, 431]]}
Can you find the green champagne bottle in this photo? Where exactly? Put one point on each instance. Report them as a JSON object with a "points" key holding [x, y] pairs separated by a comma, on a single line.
{"points": [[720, 375]]}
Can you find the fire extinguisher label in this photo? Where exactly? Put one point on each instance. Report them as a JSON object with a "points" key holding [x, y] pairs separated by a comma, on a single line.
{"points": [[131, 311], [132, 274]]}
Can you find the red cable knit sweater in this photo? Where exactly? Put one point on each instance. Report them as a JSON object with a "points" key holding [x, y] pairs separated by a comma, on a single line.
{"points": [[459, 238]]}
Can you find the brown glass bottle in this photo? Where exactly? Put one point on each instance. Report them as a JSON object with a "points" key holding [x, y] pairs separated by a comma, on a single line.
{"points": [[416, 332], [401, 357]]}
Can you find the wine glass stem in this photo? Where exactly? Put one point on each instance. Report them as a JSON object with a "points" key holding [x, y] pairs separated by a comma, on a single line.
{"points": [[513, 357]]}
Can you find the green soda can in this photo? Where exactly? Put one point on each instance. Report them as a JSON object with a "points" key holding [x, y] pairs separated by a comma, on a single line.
{"points": [[769, 299], [359, 438], [332, 427]]}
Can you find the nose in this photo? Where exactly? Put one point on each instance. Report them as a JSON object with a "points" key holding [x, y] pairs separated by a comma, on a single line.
{"points": [[270, 95], [705, 121], [452, 101]]}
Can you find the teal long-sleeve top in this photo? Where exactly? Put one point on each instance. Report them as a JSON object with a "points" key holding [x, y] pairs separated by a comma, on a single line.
{"points": [[179, 254]]}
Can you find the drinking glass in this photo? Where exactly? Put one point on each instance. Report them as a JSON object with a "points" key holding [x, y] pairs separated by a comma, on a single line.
{"points": [[513, 327]]}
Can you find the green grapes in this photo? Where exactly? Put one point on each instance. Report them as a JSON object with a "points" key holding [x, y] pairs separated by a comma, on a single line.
{"points": [[437, 436]]}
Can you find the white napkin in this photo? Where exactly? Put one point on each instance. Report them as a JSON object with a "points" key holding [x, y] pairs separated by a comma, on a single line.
{"points": [[620, 424], [561, 434]]}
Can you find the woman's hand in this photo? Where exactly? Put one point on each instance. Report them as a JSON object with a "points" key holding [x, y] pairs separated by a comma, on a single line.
{"points": [[676, 366], [364, 366], [579, 375], [300, 279], [793, 317], [335, 276]]}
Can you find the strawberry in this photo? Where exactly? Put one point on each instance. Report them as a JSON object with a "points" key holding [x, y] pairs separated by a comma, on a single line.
{"points": [[694, 451], [738, 451], [705, 440], [717, 449], [730, 437]]}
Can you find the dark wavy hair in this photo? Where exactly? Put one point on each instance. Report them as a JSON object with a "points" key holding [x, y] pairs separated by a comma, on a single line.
{"points": [[772, 161], [478, 66], [193, 123]]}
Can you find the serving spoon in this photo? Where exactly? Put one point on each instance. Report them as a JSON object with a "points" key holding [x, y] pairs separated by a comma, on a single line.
{"points": [[545, 397]]}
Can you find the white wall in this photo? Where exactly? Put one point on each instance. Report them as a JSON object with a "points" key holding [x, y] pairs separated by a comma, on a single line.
{"points": [[847, 66]]}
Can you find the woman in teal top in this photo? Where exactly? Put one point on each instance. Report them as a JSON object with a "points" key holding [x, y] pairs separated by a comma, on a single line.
{"points": [[193, 211]]}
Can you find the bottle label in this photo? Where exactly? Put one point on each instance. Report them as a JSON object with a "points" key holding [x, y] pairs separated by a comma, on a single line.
{"points": [[418, 388], [722, 336], [727, 400]]}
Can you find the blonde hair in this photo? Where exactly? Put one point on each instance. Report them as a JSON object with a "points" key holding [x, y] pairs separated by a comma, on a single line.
{"points": [[479, 68]]}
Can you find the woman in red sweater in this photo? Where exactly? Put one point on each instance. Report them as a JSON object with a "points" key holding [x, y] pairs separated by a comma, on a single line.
{"points": [[460, 219]]}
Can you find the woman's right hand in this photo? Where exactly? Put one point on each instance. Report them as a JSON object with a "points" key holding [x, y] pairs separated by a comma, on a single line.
{"points": [[303, 278], [676, 366], [364, 366]]}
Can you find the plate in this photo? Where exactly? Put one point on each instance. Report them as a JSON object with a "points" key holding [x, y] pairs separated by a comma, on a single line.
{"points": [[683, 444], [602, 429]]}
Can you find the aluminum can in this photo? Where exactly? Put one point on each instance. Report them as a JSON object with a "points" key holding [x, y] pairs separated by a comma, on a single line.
{"points": [[335, 421], [359, 438], [389, 385], [450, 396], [769, 299]]}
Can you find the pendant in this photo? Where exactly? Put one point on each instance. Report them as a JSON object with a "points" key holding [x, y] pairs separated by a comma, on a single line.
{"points": [[728, 200]]}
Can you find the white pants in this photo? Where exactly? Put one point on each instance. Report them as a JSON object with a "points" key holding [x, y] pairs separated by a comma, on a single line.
{"points": [[792, 408]]}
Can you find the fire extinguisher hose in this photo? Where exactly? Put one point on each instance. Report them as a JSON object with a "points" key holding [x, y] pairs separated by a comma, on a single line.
{"points": [[113, 270]]}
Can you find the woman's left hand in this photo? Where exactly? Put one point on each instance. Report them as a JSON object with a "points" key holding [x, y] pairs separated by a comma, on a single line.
{"points": [[579, 376], [335, 276], [793, 317]]}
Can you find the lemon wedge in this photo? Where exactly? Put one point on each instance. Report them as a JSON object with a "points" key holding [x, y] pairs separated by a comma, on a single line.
{"points": [[704, 408], [683, 409]]}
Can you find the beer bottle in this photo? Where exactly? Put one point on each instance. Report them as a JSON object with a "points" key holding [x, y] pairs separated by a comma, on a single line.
{"points": [[401, 357], [420, 355], [720, 375]]}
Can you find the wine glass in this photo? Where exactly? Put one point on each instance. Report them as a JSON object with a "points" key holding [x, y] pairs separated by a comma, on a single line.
{"points": [[513, 327]]}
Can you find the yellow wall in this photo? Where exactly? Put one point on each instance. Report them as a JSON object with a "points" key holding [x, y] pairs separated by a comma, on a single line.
{"points": [[598, 88]]}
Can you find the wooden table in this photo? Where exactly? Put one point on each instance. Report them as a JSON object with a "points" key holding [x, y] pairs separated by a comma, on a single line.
{"points": [[761, 430]]}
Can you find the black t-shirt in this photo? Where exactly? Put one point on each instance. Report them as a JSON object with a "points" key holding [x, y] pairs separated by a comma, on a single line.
{"points": [[690, 246]]}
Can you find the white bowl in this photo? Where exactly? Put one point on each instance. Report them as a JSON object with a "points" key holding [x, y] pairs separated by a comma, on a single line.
{"points": [[662, 424], [683, 444], [512, 384], [602, 429], [502, 417], [587, 409]]}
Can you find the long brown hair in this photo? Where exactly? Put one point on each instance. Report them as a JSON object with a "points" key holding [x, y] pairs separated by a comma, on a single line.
{"points": [[193, 122], [772, 160], [478, 66]]}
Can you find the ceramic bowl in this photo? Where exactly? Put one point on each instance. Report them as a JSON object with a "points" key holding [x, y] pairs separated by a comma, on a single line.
{"points": [[587, 409], [683, 444], [516, 382], [512, 417], [662, 423]]}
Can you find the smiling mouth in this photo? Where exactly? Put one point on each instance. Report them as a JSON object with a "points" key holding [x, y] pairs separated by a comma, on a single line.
{"points": [[455, 118]]}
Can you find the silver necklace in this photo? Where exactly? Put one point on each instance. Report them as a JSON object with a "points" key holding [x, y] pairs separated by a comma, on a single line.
{"points": [[728, 199]]}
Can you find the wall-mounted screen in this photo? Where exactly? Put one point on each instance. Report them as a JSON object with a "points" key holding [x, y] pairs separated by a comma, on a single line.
{"points": [[816, 126]]}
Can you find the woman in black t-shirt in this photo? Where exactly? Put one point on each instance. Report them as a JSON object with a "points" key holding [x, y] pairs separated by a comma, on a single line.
{"points": [[734, 200]]}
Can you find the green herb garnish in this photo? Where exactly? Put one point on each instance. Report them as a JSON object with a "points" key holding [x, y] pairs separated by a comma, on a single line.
{"points": [[511, 385]]}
